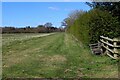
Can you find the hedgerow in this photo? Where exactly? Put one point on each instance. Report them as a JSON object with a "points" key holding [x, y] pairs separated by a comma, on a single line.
{"points": [[88, 27]]}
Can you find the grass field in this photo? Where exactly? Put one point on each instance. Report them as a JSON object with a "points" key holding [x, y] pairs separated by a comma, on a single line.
{"points": [[8, 38], [54, 56]]}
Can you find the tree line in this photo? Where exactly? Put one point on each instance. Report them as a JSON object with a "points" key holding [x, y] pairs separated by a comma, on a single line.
{"points": [[46, 28], [88, 26]]}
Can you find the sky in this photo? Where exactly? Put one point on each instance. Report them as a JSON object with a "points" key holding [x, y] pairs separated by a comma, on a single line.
{"points": [[21, 14]]}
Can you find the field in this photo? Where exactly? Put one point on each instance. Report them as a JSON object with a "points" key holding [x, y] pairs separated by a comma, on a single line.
{"points": [[57, 55]]}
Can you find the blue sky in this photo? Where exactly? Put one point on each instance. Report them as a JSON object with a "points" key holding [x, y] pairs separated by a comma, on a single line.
{"points": [[21, 14]]}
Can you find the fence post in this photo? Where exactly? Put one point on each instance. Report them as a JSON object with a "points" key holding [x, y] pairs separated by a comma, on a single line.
{"points": [[101, 39], [114, 49], [115, 44], [107, 47]]}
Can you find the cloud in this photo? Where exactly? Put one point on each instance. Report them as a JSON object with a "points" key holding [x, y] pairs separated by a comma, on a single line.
{"points": [[53, 8]]}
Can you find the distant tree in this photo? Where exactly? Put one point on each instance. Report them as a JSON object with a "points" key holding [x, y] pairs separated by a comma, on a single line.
{"points": [[27, 26], [48, 24], [40, 26], [64, 22]]}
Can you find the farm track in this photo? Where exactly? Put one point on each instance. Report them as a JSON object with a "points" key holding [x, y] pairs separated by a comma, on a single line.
{"points": [[54, 56]]}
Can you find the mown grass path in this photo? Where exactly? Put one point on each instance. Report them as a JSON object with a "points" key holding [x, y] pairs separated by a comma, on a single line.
{"points": [[55, 56]]}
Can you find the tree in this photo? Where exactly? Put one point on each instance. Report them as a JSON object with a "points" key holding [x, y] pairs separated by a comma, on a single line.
{"points": [[27, 26], [112, 7], [74, 15], [48, 24], [39, 26], [64, 22], [70, 20]]}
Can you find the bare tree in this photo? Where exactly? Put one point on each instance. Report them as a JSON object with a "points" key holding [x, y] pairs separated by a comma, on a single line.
{"points": [[72, 17]]}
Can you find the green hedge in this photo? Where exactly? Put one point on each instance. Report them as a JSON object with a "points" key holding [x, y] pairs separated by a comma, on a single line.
{"points": [[90, 25]]}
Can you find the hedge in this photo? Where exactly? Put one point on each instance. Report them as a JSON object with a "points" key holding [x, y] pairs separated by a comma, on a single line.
{"points": [[89, 26]]}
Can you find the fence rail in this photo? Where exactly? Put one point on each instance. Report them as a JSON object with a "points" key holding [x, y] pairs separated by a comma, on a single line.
{"points": [[111, 46]]}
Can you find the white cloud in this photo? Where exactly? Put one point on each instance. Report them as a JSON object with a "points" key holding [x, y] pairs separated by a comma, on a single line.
{"points": [[53, 8]]}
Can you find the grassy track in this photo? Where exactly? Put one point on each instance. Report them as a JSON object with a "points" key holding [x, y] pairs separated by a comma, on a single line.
{"points": [[57, 55]]}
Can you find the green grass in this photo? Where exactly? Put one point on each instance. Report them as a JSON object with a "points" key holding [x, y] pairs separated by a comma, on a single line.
{"points": [[55, 56]]}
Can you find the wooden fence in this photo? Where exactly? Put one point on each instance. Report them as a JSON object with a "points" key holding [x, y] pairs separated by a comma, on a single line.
{"points": [[111, 46]]}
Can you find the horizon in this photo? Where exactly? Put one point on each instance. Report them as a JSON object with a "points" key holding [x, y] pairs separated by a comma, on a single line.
{"points": [[22, 14]]}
